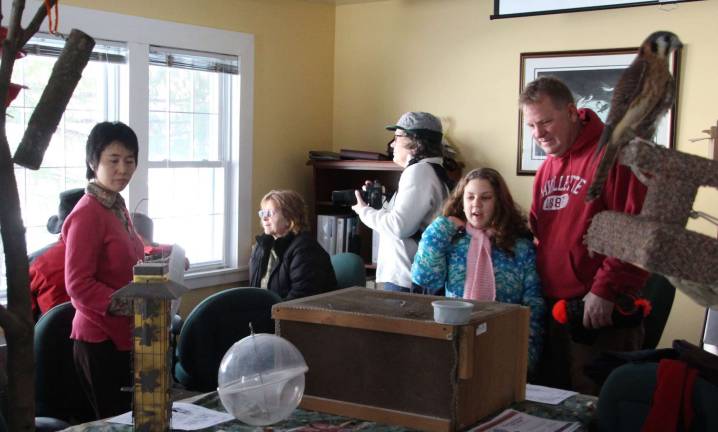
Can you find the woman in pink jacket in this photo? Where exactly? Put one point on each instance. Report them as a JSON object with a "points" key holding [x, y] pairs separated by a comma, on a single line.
{"points": [[101, 247]]}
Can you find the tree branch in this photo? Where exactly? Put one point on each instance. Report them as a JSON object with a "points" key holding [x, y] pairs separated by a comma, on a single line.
{"points": [[8, 58], [36, 22], [7, 321], [47, 114], [14, 29], [9, 50], [16, 319]]}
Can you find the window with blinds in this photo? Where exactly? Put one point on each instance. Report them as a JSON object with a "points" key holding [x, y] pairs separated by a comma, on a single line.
{"points": [[190, 148], [180, 88], [96, 98]]}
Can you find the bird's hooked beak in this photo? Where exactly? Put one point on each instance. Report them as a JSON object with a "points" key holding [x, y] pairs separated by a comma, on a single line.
{"points": [[676, 43], [666, 45]]}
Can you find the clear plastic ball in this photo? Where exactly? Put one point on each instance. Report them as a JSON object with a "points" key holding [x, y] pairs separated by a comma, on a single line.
{"points": [[261, 379]]}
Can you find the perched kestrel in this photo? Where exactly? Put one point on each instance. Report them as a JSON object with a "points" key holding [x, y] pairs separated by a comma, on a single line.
{"points": [[645, 91]]}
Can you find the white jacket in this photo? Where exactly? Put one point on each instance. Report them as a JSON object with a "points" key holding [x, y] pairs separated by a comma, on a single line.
{"points": [[416, 203]]}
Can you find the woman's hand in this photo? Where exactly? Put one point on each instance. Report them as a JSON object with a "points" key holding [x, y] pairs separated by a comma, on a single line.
{"points": [[360, 202], [458, 223]]}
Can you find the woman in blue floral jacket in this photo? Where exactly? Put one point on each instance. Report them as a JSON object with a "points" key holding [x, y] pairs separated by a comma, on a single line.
{"points": [[481, 248]]}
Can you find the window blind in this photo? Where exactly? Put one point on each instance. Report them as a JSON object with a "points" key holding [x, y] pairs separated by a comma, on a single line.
{"points": [[194, 60], [48, 45]]}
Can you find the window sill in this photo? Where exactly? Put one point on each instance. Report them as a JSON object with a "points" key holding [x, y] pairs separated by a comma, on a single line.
{"points": [[209, 278], [203, 279]]}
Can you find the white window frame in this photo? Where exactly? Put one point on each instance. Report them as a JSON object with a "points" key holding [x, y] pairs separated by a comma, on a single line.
{"points": [[139, 33]]}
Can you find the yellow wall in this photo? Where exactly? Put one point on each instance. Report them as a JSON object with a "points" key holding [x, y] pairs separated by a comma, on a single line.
{"points": [[294, 61], [327, 76], [448, 58]]}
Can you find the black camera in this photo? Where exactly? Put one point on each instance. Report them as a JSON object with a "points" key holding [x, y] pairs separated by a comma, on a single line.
{"points": [[371, 194]]}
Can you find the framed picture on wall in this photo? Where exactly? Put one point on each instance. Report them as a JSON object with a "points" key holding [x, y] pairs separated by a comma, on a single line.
{"points": [[591, 75]]}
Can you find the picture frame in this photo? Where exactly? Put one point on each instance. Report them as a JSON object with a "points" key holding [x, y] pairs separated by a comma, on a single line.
{"points": [[591, 75]]}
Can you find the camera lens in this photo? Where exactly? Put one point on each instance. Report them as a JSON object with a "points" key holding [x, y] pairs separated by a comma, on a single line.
{"points": [[344, 197]]}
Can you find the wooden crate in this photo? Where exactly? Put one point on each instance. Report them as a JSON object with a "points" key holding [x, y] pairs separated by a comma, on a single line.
{"points": [[379, 356]]}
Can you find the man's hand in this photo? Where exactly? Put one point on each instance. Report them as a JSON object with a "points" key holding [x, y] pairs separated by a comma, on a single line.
{"points": [[596, 311], [360, 202]]}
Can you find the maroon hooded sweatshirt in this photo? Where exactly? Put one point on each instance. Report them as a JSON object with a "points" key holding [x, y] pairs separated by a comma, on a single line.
{"points": [[560, 218]]}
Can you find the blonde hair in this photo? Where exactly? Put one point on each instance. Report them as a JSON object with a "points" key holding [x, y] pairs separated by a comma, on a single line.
{"points": [[292, 206]]}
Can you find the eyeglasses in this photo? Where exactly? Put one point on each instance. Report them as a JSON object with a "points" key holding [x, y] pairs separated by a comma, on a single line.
{"points": [[266, 213], [393, 143]]}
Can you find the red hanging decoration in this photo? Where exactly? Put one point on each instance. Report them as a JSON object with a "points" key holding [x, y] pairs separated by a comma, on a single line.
{"points": [[12, 92], [52, 26]]}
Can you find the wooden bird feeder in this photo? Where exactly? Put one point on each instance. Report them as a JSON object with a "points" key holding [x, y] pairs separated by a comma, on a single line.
{"points": [[151, 293]]}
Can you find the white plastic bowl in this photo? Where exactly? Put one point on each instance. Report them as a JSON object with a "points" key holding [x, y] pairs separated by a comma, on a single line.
{"points": [[453, 312]]}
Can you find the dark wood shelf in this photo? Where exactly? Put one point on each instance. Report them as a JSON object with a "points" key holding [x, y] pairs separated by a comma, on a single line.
{"points": [[355, 164], [351, 174]]}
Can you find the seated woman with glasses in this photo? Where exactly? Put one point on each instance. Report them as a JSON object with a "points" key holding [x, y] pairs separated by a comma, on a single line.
{"points": [[286, 259]]}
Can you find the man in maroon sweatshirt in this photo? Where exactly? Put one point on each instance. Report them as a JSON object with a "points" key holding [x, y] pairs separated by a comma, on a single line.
{"points": [[560, 218]]}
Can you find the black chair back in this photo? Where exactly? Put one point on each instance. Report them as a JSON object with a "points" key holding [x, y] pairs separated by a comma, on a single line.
{"points": [[58, 392], [661, 294], [213, 327]]}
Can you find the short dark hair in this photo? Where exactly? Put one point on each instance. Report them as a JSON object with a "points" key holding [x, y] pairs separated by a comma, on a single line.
{"points": [[425, 144], [144, 225], [548, 86], [101, 136], [509, 222]]}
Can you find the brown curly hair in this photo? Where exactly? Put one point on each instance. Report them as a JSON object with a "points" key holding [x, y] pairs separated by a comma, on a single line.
{"points": [[508, 222], [292, 206]]}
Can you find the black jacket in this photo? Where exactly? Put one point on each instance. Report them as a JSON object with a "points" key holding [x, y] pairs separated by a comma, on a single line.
{"points": [[303, 268]]}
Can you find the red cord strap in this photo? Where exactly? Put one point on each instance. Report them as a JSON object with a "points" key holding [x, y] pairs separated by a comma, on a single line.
{"points": [[52, 27]]}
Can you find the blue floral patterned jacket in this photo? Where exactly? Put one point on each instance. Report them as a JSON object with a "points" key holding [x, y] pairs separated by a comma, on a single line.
{"points": [[440, 262]]}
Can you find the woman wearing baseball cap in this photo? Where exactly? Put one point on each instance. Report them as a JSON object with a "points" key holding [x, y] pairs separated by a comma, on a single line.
{"points": [[423, 186]]}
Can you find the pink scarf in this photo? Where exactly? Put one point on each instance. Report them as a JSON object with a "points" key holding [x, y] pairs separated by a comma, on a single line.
{"points": [[479, 284]]}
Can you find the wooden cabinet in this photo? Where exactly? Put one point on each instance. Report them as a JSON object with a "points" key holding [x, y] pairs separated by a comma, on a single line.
{"points": [[350, 174]]}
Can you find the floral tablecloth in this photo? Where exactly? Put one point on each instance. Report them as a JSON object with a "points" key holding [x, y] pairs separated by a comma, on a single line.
{"points": [[580, 408]]}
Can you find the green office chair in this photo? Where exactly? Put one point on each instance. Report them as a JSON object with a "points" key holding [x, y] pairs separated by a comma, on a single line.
{"points": [[349, 269], [661, 294], [213, 327], [58, 393]]}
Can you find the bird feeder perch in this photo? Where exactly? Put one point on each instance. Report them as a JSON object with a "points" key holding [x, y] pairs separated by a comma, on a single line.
{"points": [[657, 239]]}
